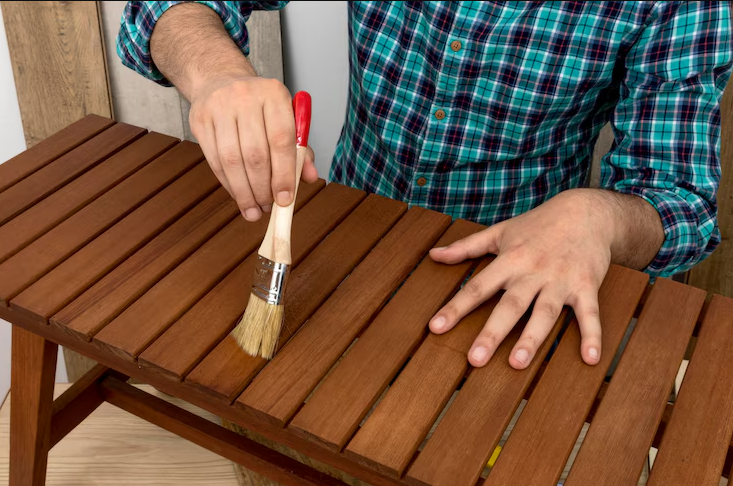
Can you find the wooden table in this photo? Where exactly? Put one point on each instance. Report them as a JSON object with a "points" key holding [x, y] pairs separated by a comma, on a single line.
{"points": [[121, 245]]}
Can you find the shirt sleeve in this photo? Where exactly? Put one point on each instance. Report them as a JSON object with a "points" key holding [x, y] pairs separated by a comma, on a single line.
{"points": [[667, 127], [139, 19]]}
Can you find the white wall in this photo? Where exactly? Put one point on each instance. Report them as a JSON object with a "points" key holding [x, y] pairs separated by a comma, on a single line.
{"points": [[12, 142], [315, 45]]}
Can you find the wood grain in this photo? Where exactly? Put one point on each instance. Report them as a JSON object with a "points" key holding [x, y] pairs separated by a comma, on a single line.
{"points": [[51, 148], [54, 175], [104, 301], [279, 467], [40, 218], [542, 440], [57, 55], [622, 431], [96, 259], [696, 439], [713, 274], [387, 441], [280, 389], [28, 265], [346, 395], [214, 316], [148, 317], [226, 370], [32, 375]]}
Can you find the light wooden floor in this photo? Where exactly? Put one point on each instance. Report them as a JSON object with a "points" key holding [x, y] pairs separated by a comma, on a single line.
{"points": [[114, 448]]}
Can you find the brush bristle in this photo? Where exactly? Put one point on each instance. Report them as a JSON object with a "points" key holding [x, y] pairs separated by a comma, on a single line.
{"points": [[259, 328]]}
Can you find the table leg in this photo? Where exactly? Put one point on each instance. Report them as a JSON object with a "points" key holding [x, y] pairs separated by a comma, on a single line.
{"points": [[33, 370]]}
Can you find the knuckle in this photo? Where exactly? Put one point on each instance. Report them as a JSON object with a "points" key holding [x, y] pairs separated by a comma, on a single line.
{"points": [[473, 290], [548, 309], [230, 158], [257, 158], [490, 339], [282, 140], [513, 302]]}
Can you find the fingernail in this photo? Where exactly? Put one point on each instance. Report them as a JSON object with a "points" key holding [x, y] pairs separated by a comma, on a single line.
{"points": [[440, 248], [479, 354], [251, 214], [439, 323], [283, 198], [267, 207], [593, 353], [521, 355]]}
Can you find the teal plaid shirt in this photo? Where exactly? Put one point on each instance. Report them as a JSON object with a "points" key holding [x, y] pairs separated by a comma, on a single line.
{"points": [[484, 110]]}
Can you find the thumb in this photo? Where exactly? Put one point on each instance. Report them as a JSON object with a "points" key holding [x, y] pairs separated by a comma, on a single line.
{"points": [[476, 245], [310, 173]]}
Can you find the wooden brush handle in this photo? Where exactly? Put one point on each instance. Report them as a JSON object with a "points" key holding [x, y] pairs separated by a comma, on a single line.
{"points": [[276, 244]]}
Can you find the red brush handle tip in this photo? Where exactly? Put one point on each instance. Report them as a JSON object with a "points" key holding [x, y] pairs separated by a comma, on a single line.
{"points": [[302, 109]]}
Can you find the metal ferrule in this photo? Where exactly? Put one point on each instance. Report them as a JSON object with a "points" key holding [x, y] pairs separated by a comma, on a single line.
{"points": [[269, 280]]}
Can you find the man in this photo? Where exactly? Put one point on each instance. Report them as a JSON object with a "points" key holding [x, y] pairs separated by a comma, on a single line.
{"points": [[486, 111]]}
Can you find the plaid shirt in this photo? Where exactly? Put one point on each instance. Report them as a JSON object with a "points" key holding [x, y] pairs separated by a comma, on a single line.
{"points": [[484, 110]]}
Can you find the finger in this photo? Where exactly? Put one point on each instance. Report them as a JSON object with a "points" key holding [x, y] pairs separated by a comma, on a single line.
{"points": [[310, 173], [545, 314], [256, 156], [589, 321], [281, 139], [511, 307], [475, 245], [476, 291], [230, 158]]}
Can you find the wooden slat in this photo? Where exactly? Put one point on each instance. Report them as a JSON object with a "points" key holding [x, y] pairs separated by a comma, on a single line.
{"points": [[285, 470], [278, 391], [28, 265], [104, 301], [538, 447], [618, 441], [342, 400], [226, 371], [696, 439], [54, 175], [214, 316], [38, 219], [57, 54], [50, 149], [93, 261], [400, 422], [148, 317]]}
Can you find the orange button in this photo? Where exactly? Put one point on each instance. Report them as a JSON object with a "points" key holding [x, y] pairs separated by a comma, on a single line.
{"points": [[456, 45], [440, 114], [422, 181]]}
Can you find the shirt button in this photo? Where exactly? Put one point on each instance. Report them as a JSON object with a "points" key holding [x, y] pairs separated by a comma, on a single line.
{"points": [[456, 45], [422, 181], [440, 114]]}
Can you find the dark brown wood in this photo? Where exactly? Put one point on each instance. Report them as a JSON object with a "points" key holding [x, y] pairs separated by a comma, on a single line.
{"points": [[43, 182], [277, 392], [618, 441], [185, 343], [104, 301], [538, 447], [80, 400], [227, 370], [47, 213], [345, 396], [32, 375], [393, 432], [698, 434], [35, 260], [256, 457], [149, 316], [97, 258], [204, 400], [50, 149]]}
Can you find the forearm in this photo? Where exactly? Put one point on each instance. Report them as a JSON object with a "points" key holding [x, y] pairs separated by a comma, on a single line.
{"points": [[631, 225], [191, 47]]}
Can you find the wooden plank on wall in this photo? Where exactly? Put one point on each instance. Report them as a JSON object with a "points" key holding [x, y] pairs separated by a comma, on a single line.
{"points": [[58, 64], [715, 274]]}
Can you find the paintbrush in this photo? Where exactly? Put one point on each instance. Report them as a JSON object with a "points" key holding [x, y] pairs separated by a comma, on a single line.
{"points": [[259, 328]]}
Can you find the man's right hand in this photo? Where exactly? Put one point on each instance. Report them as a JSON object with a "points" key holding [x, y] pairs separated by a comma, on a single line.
{"points": [[245, 127], [244, 123]]}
